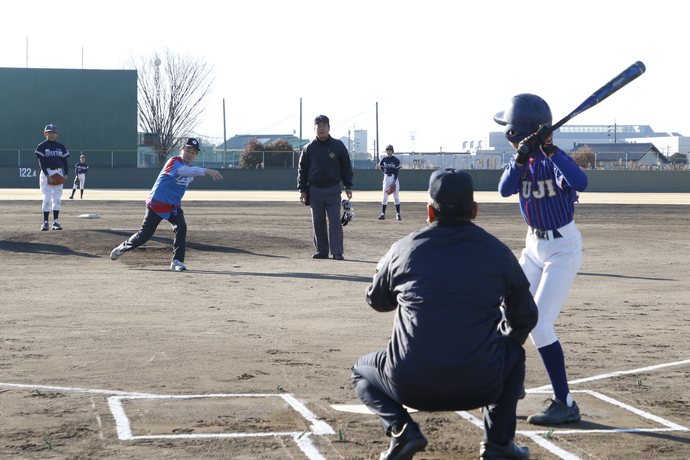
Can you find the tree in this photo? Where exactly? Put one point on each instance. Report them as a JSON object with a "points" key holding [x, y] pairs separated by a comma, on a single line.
{"points": [[584, 157], [271, 155], [172, 89]]}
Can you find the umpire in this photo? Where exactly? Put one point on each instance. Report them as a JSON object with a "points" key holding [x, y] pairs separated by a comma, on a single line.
{"points": [[450, 284], [325, 162]]}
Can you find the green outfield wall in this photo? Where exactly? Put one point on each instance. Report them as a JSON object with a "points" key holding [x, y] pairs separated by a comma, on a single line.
{"points": [[95, 112], [364, 179]]}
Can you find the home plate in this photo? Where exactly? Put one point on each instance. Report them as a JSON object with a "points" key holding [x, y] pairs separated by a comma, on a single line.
{"points": [[89, 216], [358, 408]]}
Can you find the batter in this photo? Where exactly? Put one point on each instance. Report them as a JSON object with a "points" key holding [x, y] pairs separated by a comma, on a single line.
{"points": [[547, 181]]}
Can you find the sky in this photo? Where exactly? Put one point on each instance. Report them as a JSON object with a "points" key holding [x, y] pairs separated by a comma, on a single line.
{"points": [[438, 71]]}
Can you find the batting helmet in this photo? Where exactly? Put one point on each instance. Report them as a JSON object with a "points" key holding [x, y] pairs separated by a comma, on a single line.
{"points": [[527, 112]]}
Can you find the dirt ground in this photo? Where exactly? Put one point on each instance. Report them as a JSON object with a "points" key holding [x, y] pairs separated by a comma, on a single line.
{"points": [[243, 355]]}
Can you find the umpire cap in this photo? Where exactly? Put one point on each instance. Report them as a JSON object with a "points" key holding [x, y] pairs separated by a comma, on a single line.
{"points": [[452, 191], [49, 128]]}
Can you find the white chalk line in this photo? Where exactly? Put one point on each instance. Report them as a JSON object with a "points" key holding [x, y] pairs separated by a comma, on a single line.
{"points": [[302, 439], [124, 430], [615, 374], [539, 436], [321, 428]]}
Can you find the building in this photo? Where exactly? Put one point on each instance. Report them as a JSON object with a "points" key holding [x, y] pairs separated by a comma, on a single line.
{"points": [[568, 136], [636, 156]]}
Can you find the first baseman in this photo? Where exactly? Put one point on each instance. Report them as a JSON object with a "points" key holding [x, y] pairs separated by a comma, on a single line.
{"points": [[80, 170], [547, 181], [164, 202], [390, 166], [52, 159]]}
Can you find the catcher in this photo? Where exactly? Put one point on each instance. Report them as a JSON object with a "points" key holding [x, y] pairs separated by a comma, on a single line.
{"points": [[52, 159]]}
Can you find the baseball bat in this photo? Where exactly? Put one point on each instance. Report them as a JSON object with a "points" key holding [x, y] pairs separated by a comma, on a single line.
{"points": [[625, 77]]}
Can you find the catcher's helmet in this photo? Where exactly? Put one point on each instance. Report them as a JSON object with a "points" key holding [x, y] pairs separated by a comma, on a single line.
{"points": [[527, 112], [49, 128]]}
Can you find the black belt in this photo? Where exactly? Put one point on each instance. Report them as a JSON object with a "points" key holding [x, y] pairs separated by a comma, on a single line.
{"points": [[544, 234], [389, 175]]}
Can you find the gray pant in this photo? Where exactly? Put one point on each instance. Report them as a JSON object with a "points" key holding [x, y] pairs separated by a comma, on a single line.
{"points": [[326, 202], [500, 399]]}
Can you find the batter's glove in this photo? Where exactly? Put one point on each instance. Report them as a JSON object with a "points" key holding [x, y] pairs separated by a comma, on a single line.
{"points": [[348, 213], [545, 136], [57, 179]]}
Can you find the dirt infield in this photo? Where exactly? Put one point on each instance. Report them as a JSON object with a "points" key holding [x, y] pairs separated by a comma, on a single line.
{"points": [[244, 355]]}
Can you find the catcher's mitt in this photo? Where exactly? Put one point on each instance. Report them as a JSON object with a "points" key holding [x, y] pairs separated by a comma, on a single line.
{"points": [[57, 179], [348, 212]]}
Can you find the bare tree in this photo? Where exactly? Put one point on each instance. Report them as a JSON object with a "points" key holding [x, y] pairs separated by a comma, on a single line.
{"points": [[172, 89], [584, 157]]}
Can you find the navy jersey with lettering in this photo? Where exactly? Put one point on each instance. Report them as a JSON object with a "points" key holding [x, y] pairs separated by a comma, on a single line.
{"points": [[548, 189], [81, 168], [52, 155], [390, 165]]}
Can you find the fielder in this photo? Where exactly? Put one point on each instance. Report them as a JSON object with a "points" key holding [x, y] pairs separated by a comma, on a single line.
{"points": [[80, 170], [547, 181], [164, 202], [52, 159], [390, 166]]}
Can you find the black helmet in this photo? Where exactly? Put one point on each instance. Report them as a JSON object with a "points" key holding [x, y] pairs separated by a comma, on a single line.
{"points": [[527, 112]]}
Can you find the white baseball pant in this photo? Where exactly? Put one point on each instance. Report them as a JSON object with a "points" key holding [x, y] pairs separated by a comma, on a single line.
{"points": [[81, 178], [52, 194], [551, 266], [387, 182]]}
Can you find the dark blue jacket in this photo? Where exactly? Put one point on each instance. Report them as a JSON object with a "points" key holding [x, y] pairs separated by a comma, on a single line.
{"points": [[447, 283]]}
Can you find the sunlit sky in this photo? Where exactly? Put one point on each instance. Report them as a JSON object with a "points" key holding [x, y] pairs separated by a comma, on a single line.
{"points": [[439, 70]]}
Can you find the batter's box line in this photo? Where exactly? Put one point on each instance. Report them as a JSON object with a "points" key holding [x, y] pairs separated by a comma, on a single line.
{"points": [[538, 436], [302, 439]]}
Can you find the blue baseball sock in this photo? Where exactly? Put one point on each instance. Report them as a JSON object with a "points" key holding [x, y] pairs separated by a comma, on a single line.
{"points": [[554, 362]]}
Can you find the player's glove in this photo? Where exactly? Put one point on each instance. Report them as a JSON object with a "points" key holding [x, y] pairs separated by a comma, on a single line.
{"points": [[57, 179], [348, 213], [391, 189]]}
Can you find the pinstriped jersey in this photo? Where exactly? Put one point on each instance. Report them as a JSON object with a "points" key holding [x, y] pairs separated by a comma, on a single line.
{"points": [[547, 188]]}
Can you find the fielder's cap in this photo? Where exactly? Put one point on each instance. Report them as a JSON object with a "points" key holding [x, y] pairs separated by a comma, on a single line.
{"points": [[452, 189], [191, 142], [390, 147], [322, 118], [49, 128]]}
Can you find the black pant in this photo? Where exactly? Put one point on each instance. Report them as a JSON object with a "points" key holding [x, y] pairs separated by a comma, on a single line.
{"points": [[149, 226], [378, 393]]}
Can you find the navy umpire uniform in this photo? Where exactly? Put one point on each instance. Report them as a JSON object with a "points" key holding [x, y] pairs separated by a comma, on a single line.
{"points": [[450, 285], [323, 164]]}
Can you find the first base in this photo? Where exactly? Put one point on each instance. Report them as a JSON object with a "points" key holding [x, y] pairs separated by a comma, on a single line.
{"points": [[89, 216]]}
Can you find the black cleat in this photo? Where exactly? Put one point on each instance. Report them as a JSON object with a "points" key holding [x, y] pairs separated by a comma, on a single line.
{"points": [[405, 444]]}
